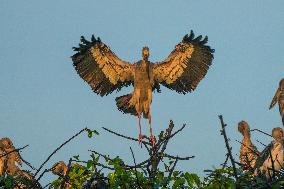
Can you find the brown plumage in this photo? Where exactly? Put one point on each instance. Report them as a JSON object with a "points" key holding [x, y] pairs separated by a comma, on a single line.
{"points": [[248, 151], [273, 152], [8, 162], [279, 98], [186, 65]]}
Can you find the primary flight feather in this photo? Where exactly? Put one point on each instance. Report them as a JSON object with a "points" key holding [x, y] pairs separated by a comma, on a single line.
{"points": [[181, 71]]}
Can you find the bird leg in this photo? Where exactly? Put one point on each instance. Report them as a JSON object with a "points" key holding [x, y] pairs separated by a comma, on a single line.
{"points": [[139, 125], [153, 140]]}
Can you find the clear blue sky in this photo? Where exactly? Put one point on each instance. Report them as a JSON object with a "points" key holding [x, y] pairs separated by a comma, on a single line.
{"points": [[43, 101]]}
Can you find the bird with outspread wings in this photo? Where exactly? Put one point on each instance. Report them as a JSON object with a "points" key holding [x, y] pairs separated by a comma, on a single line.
{"points": [[181, 71]]}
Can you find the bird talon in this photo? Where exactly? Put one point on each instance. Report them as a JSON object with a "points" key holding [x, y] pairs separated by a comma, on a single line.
{"points": [[140, 138], [153, 140]]}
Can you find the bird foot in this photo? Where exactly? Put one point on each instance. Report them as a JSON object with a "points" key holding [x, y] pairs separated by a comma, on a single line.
{"points": [[153, 140], [140, 138]]}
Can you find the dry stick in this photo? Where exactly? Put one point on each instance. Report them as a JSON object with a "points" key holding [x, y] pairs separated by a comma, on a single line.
{"points": [[47, 185], [28, 163], [252, 150], [135, 167], [261, 132], [177, 157], [225, 162], [170, 173], [58, 148], [272, 164], [123, 136], [98, 164], [261, 143], [16, 150], [223, 131], [125, 166], [40, 176]]}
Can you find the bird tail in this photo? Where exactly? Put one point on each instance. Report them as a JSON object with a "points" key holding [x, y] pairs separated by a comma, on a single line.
{"points": [[123, 105]]}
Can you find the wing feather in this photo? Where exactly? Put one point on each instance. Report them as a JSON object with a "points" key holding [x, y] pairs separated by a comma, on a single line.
{"points": [[186, 65], [100, 67]]}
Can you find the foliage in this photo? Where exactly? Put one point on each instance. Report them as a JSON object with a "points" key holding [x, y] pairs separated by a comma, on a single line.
{"points": [[158, 171]]}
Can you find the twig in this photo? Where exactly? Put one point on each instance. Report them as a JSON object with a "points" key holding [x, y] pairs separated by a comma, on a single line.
{"points": [[252, 150], [123, 136], [261, 143], [272, 164], [170, 173], [58, 148], [225, 162], [223, 132], [261, 132], [40, 176], [124, 166], [28, 163], [177, 157], [47, 185], [179, 130], [16, 150], [104, 156], [99, 164], [135, 167]]}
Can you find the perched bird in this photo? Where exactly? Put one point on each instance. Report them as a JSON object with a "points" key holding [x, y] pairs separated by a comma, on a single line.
{"points": [[10, 157], [271, 158], [60, 169], [181, 71], [9, 161], [248, 151], [279, 98]]}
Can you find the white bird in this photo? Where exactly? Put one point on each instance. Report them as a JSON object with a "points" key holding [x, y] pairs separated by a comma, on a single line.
{"points": [[271, 158]]}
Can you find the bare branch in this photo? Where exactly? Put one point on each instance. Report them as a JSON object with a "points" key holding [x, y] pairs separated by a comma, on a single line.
{"points": [[16, 150], [135, 167], [127, 137], [58, 148], [261, 132], [177, 157], [223, 132]]}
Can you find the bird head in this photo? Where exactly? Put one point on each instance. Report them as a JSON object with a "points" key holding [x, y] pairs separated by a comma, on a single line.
{"points": [[59, 168], [243, 128], [6, 143], [145, 53], [277, 133]]}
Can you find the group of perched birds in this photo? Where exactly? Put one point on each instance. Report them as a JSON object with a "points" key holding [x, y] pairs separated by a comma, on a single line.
{"points": [[269, 161], [11, 162]]}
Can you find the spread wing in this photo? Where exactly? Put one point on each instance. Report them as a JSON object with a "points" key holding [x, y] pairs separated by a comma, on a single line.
{"points": [[100, 67], [186, 65]]}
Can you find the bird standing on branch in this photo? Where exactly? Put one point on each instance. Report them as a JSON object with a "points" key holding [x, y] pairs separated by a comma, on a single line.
{"points": [[248, 151], [271, 158], [186, 65], [9, 159], [279, 98]]}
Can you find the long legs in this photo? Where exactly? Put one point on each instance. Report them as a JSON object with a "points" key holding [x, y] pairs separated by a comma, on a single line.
{"points": [[139, 125], [153, 140]]}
